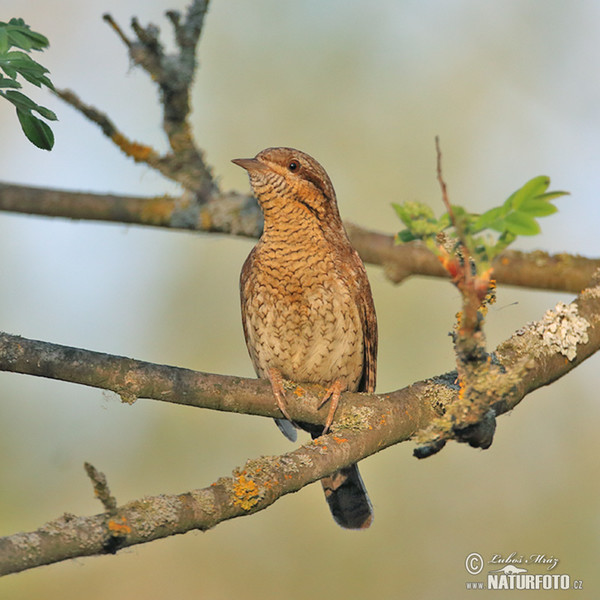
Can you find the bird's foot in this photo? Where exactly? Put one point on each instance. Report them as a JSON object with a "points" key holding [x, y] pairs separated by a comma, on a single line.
{"points": [[333, 393], [277, 386]]}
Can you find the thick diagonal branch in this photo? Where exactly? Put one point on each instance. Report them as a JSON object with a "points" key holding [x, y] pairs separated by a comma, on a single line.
{"points": [[365, 424]]}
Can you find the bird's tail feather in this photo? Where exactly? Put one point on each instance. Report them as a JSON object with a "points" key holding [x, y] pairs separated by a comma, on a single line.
{"points": [[347, 498]]}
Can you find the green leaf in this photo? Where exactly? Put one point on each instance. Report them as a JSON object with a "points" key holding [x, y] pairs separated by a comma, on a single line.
{"points": [[19, 62], [444, 222], [503, 242], [12, 73], [537, 208], [37, 132], [37, 41], [3, 41], [521, 224], [18, 38], [46, 113], [5, 82], [551, 195], [534, 187], [404, 214], [404, 236], [489, 218], [458, 211], [20, 100], [17, 22]]}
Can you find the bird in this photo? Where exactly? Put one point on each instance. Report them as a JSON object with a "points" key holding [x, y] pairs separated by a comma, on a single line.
{"points": [[307, 308]]}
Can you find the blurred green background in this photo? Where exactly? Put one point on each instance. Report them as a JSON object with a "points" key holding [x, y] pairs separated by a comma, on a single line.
{"points": [[512, 89]]}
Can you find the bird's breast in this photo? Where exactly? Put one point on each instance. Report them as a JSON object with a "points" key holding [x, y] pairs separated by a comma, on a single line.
{"points": [[300, 317]]}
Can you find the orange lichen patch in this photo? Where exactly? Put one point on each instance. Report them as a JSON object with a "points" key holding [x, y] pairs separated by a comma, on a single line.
{"points": [[138, 152], [299, 391], [269, 484], [157, 210], [450, 262], [117, 528], [339, 440], [504, 261], [246, 492], [383, 420], [462, 388], [320, 443]]}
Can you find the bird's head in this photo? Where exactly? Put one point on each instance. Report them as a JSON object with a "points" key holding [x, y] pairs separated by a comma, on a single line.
{"points": [[288, 181]]}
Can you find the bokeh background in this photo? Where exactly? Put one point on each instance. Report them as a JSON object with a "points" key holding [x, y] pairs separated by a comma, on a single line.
{"points": [[513, 90]]}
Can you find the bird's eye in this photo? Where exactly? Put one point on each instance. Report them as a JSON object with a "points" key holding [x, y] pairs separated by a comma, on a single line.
{"points": [[293, 165]]}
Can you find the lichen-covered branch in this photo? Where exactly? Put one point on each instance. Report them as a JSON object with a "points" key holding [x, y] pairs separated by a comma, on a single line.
{"points": [[251, 488], [238, 214], [539, 353], [229, 213], [535, 356], [431, 411]]}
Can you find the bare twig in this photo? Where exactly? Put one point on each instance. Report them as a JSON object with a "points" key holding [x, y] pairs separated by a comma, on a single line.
{"points": [[101, 489], [440, 178]]}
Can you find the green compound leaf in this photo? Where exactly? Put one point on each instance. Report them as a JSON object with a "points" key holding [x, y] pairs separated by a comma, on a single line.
{"points": [[14, 63], [488, 234]]}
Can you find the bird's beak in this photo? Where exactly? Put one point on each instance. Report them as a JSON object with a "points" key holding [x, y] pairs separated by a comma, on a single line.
{"points": [[250, 164]]}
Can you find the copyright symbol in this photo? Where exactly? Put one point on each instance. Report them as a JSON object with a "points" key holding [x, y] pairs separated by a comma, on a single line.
{"points": [[474, 563]]}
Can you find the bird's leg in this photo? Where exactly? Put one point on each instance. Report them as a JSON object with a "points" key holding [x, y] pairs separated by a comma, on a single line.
{"points": [[333, 393], [277, 386]]}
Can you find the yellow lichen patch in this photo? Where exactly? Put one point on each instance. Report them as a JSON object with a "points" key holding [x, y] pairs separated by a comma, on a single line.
{"points": [[119, 528], [138, 152], [157, 210], [127, 397], [205, 220], [246, 492]]}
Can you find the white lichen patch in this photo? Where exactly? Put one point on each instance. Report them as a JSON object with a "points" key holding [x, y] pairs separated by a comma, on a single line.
{"points": [[562, 329]]}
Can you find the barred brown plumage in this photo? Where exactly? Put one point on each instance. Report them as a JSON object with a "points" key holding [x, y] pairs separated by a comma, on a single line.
{"points": [[307, 308]]}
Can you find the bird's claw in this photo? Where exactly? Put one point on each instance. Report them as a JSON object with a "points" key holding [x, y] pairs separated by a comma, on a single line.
{"points": [[333, 393]]}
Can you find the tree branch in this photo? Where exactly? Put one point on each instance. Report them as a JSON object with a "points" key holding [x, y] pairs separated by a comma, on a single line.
{"points": [[533, 357], [203, 207], [238, 214], [174, 74]]}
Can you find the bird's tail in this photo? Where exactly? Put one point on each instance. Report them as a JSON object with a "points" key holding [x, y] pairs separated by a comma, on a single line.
{"points": [[347, 498]]}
